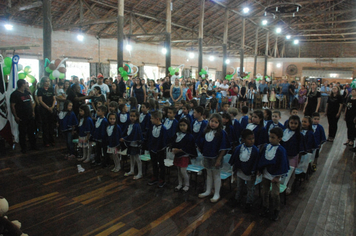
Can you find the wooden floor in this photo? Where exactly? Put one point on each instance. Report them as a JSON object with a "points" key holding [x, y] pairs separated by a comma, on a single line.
{"points": [[50, 197]]}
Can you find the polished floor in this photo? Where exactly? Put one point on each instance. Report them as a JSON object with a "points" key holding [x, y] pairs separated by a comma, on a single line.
{"points": [[48, 195]]}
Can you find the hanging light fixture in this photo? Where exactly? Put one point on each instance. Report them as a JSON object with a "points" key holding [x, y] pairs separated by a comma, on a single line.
{"points": [[246, 10], [296, 41], [264, 22], [8, 26], [279, 30], [191, 55], [227, 61], [164, 51], [288, 36], [211, 58]]}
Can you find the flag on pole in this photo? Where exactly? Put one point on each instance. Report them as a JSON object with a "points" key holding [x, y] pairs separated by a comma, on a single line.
{"points": [[11, 88], [5, 129]]}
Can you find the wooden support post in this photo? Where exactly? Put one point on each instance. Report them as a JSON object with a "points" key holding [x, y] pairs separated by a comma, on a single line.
{"points": [[200, 38], [168, 34], [226, 30], [120, 34], [276, 47], [242, 47], [266, 54], [256, 53], [283, 48], [47, 32]]}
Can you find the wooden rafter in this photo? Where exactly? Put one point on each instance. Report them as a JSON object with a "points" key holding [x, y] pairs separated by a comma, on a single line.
{"points": [[70, 7]]}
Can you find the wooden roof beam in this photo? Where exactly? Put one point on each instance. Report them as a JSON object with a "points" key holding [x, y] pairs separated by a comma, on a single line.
{"points": [[323, 22], [66, 11], [303, 15]]}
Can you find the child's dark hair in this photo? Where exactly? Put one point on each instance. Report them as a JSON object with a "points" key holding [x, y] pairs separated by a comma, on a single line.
{"points": [[213, 93], [98, 88], [200, 110], [184, 120], [269, 114], [187, 106], [156, 114], [228, 123], [310, 127], [277, 131], [293, 109], [103, 109], [296, 118], [121, 106], [113, 114], [172, 108], [66, 103], [244, 109], [152, 104], [183, 102], [133, 103], [146, 104], [86, 110], [123, 100], [114, 104], [224, 103], [206, 114], [220, 127], [137, 114], [245, 133], [233, 111], [194, 102], [316, 114], [156, 106], [259, 114], [277, 112], [60, 83]]}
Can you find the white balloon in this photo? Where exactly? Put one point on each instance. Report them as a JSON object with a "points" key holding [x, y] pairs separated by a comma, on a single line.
{"points": [[19, 67], [268, 79], [56, 74]]}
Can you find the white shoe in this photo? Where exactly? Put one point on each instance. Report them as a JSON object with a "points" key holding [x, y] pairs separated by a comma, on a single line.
{"points": [[203, 195], [116, 170], [80, 169], [137, 177], [214, 199], [128, 174]]}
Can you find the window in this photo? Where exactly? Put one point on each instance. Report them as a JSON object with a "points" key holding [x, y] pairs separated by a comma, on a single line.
{"points": [[80, 69], [151, 72], [212, 74], [113, 70], [34, 64]]}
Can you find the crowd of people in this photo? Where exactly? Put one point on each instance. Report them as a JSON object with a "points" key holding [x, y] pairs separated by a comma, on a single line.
{"points": [[186, 119]]}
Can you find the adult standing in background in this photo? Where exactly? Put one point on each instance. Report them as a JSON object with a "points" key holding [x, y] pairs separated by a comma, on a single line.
{"points": [[263, 89], [234, 91], [284, 89], [47, 101], [325, 93], [166, 88], [333, 111], [138, 91], [291, 93], [105, 90], [176, 92], [121, 86], [313, 101], [22, 110], [77, 98], [252, 83], [224, 87]]}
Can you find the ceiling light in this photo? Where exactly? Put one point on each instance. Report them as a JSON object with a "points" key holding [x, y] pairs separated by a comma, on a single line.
{"points": [[246, 10], [211, 58], [296, 41], [80, 37], [279, 65], [9, 26], [227, 61], [288, 36], [164, 50], [278, 30], [129, 47], [264, 22], [191, 55]]}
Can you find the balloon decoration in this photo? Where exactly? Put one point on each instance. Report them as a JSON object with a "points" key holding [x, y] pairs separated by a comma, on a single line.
{"points": [[55, 68], [128, 70], [353, 84], [26, 74], [204, 73], [174, 72], [259, 77], [7, 65], [246, 75], [230, 76], [267, 78]]}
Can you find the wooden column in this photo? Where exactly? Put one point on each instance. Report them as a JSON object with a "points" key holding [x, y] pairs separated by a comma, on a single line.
{"points": [[276, 47], [120, 34], [266, 54], [283, 48], [200, 37], [226, 30], [256, 53], [47, 32], [168, 34], [242, 47]]}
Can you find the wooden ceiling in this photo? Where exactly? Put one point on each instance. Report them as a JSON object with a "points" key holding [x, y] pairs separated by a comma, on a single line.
{"points": [[317, 21]]}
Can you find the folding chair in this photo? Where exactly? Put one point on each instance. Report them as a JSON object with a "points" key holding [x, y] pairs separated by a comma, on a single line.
{"points": [[284, 182], [226, 170], [145, 158], [195, 168]]}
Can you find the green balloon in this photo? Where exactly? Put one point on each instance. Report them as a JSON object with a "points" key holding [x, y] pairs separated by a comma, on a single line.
{"points": [[7, 70], [62, 75], [22, 75], [8, 61], [31, 79], [27, 70], [48, 70], [51, 77]]}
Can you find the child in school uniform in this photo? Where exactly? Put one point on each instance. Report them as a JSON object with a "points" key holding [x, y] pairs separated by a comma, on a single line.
{"points": [[181, 103], [99, 136], [114, 134], [133, 141], [170, 123], [199, 124], [244, 118], [257, 126], [273, 164], [293, 142], [85, 128], [113, 108], [183, 148], [320, 137], [213, 103], [293, 112], [157, 144], [308, 133], [244, 161], [229, 128], [267, 116], [67, 123], [213, 146], [123, 118], [185, 113], [236, 124], [145, 123], [193, 104], [276, 116]]}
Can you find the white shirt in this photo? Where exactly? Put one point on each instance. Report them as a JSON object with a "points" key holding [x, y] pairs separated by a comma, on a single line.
{"points": [[226, 86], [104, 89]]}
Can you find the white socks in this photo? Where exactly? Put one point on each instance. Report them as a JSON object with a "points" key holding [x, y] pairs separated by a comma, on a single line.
{"points": [[116, 159], [209, 184], [183, 175], [212, 176], [139, 167]]}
